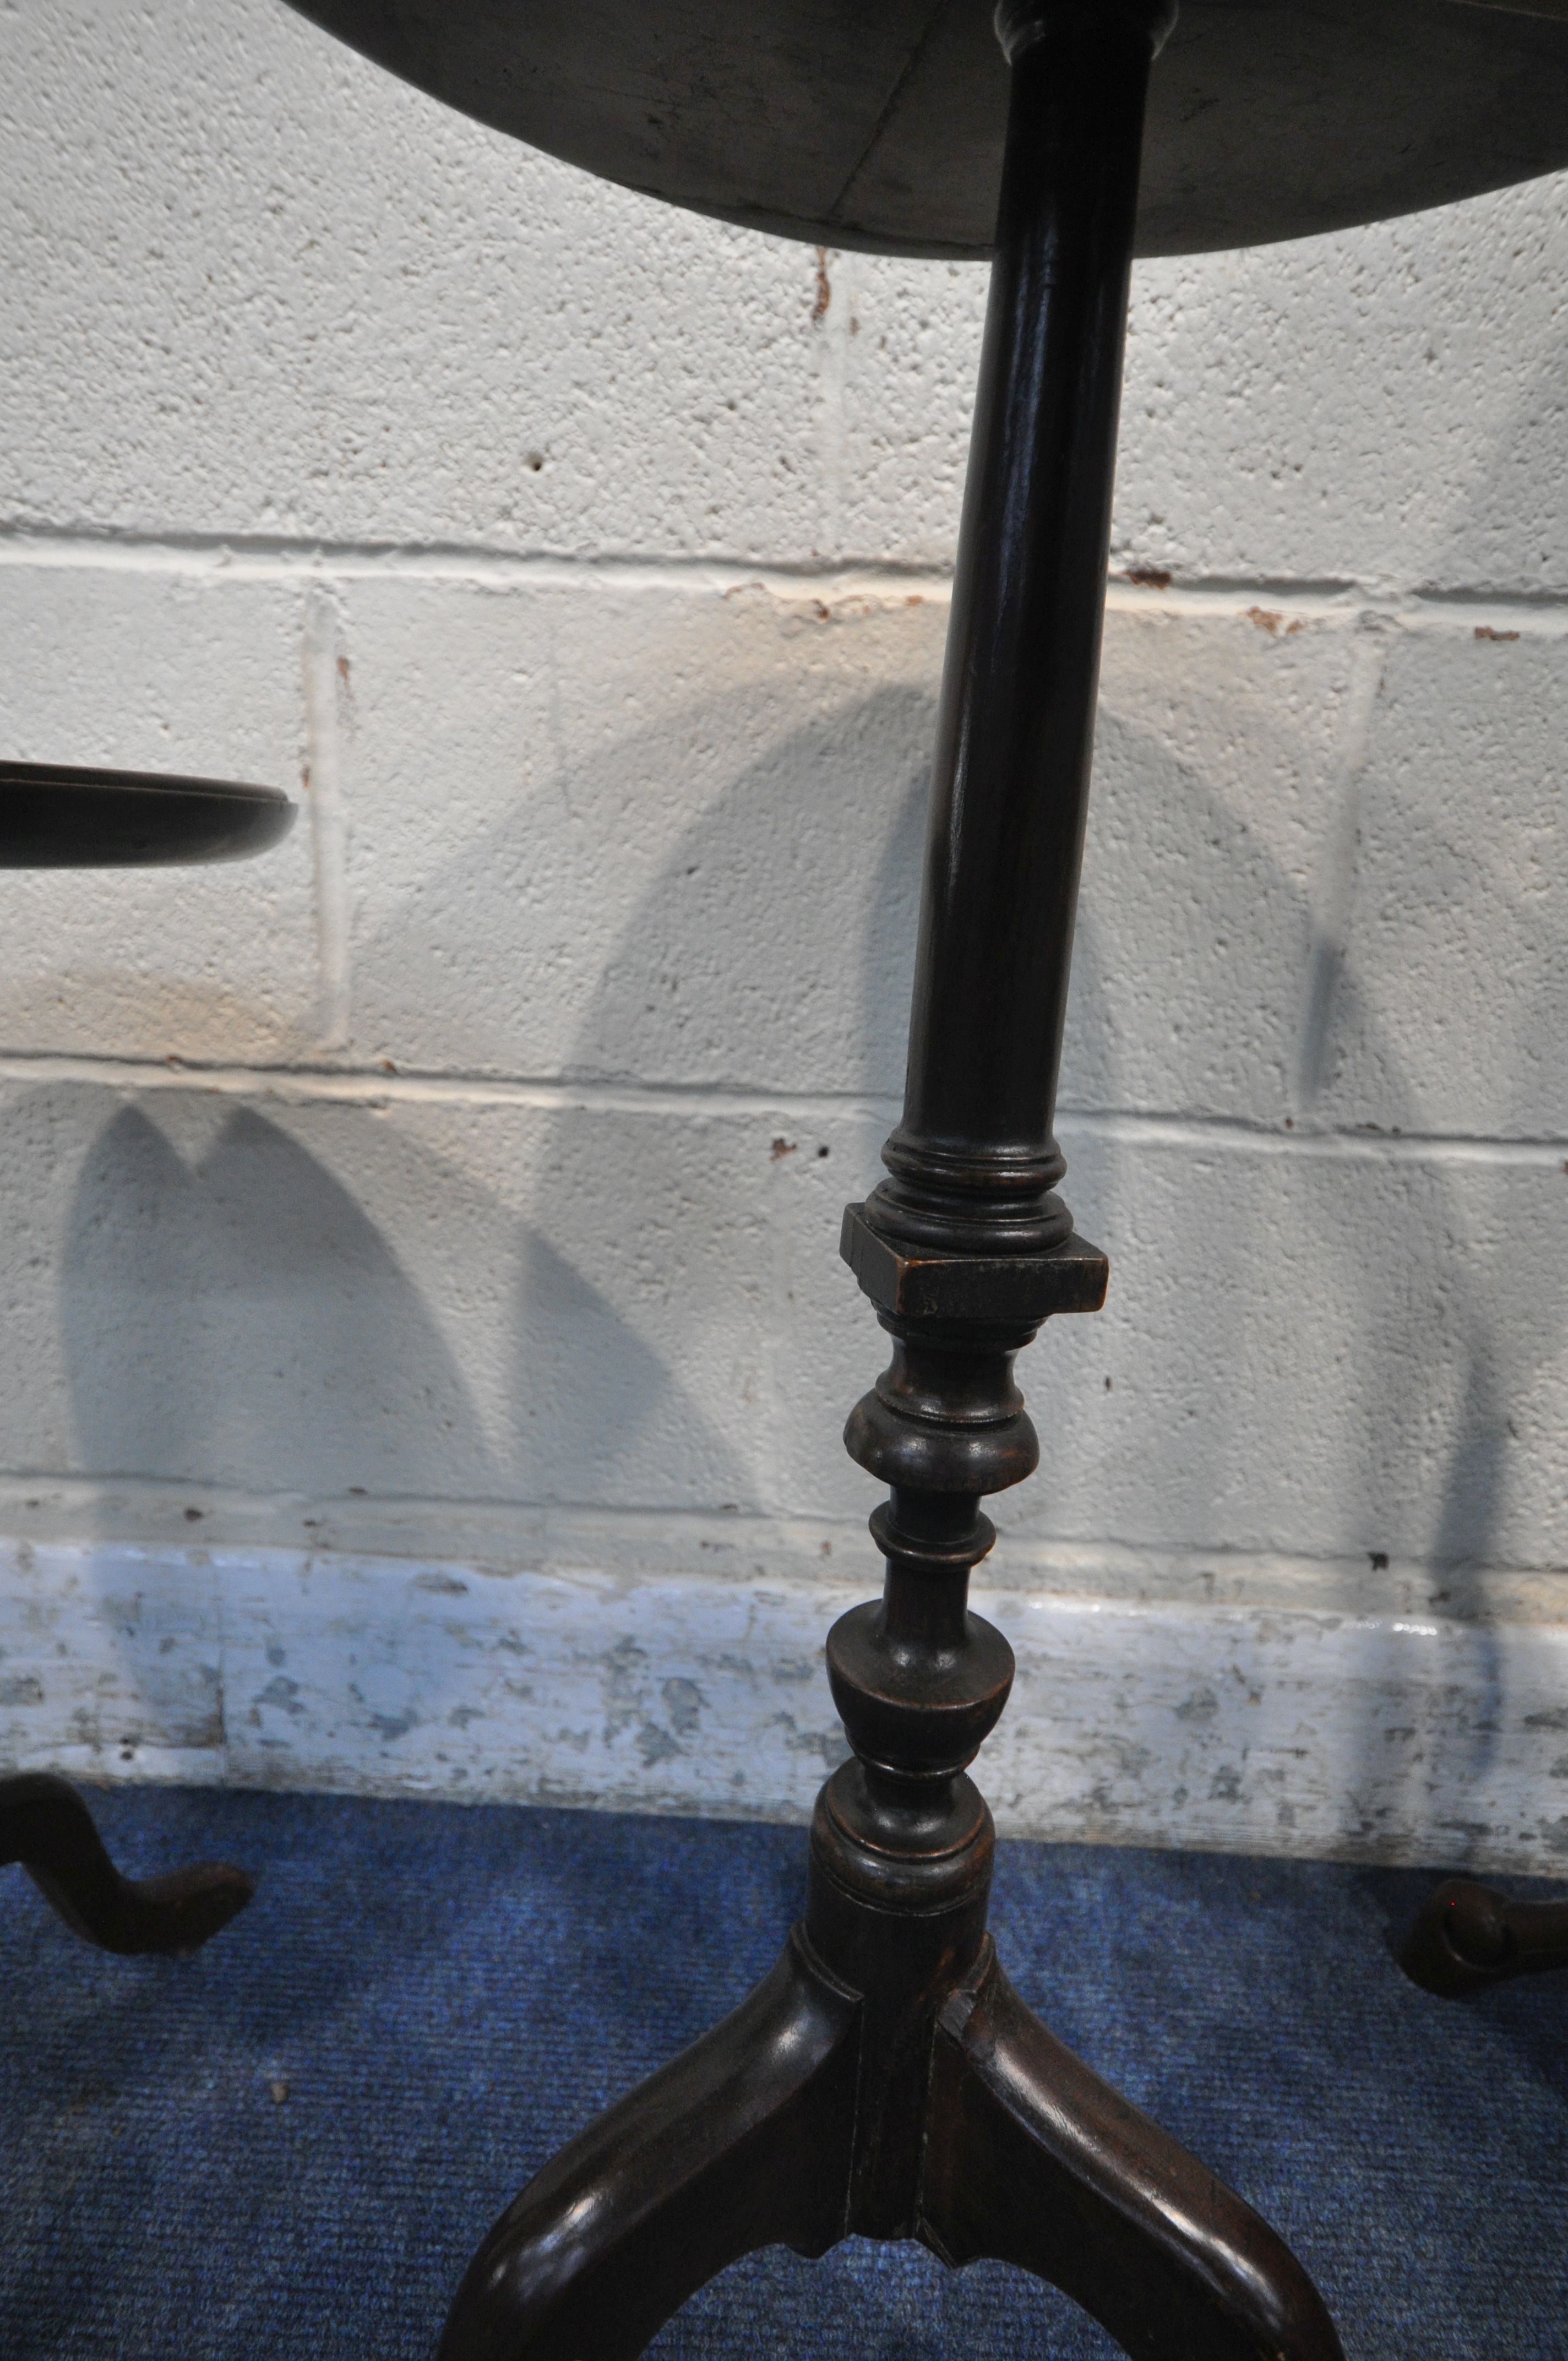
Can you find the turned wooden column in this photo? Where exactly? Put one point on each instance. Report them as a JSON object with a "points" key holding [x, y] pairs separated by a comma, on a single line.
{"points": [[965, 1248], [885, 2079]]}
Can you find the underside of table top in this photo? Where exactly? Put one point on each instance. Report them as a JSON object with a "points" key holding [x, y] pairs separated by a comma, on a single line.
{"points": [[877, 124], [56, 817]]}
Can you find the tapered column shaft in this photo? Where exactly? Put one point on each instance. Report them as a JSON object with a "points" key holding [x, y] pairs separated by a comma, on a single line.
{"points": [[974, 1159]]}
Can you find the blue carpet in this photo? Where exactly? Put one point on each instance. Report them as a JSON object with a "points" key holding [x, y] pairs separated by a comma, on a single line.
{"points": [[288, 2145]]}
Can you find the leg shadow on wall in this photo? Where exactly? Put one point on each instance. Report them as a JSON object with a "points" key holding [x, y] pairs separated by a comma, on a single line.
{"points": [[235, 1320], [232, 1315]]}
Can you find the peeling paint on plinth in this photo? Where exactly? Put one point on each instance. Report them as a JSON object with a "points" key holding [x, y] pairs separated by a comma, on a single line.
{"points": [[1161, 1719]]}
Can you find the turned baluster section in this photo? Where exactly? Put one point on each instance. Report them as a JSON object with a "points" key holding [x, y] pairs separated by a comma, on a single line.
{"points": [[919, 1680], [903, 1839]]}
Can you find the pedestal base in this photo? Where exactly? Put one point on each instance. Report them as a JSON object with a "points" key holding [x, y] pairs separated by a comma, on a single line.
{"points": [[885, 2080]]}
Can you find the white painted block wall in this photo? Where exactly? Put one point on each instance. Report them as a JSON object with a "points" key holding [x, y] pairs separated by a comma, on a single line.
{"points": [[425, 1347]]}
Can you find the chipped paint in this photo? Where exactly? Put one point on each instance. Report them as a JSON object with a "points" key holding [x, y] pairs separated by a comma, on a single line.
{"points": [[1163, 1718]]}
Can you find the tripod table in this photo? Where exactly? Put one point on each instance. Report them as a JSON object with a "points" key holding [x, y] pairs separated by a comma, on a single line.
{"points": [[885, 2079]]}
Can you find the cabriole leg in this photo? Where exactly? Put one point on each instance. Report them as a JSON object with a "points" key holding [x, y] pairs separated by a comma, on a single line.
{"points": [[1467, 1939], [46, 1827], [742, 2141], [1032, 2159]]}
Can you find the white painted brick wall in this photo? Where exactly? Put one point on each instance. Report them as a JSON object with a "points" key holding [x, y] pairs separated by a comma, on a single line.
{"points": [[451, 1198]]}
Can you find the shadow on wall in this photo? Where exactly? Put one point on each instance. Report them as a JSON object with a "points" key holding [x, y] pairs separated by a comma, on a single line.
{"points": [[1391, 1419], [233, 1313], [232, 1316], [818, 834], [818, 837], [664, 899], [853, 780]]}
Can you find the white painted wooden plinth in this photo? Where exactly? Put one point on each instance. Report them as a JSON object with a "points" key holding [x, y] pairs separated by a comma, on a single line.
{"points": [[675, 1664]]}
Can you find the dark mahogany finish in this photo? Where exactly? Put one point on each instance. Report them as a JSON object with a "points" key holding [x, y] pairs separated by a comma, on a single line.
{"points": [[973, 1161], [880, 123], [55, 818], [886, 2080], [46, 1827], [1467, 1939]]}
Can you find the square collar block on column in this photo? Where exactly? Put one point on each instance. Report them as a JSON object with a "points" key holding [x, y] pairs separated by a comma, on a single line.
{"points": [[903, 1279]]}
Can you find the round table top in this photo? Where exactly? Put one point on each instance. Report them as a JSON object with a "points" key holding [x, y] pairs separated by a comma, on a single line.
{"points": [[52, 818], [879, 123]]}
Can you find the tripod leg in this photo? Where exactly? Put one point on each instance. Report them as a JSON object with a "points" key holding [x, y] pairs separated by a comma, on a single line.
{"points": [[44, 1825], [1467, 1939], [742, 2141], [1032, 2159]]}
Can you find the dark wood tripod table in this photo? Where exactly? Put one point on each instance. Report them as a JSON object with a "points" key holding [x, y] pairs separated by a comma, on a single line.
{"points": [[52, 818], [886, 2078]]}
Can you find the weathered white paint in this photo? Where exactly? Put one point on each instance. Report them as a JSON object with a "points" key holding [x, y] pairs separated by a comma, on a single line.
{"points": [[455, 1192], [1234, 1707]]}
